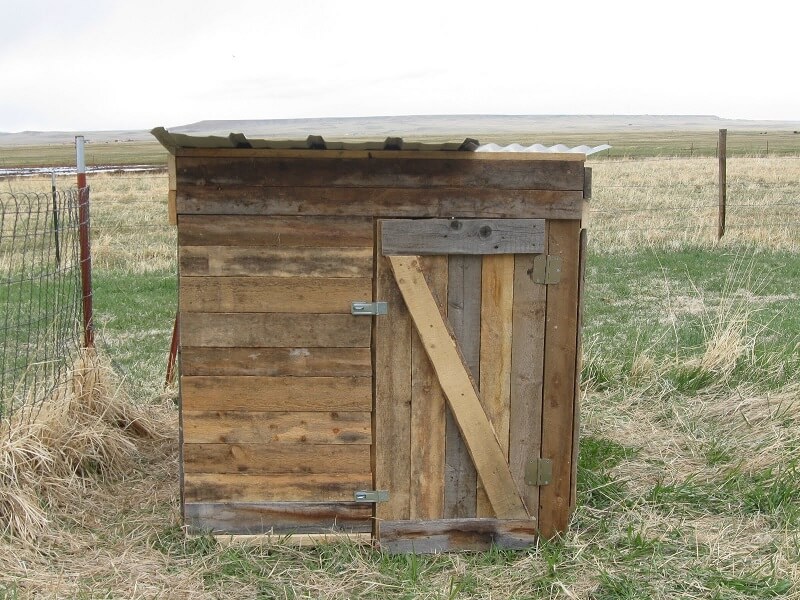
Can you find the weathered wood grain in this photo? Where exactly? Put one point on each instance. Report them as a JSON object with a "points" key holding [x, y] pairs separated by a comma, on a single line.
{"points": [[559, 377], [487, 455], [236, 392], [277, 487], [300, 540], [464, 316], [462, 236], [428, 409], [497, 298], [240, 427], [426, 537], [458, 202], [576, 419], [272, 294], [172, 194], [587, 183], [278, 518], [227, 261], [276, 458], [275, 231], [527, 364], [392, 413], [278, 330], [277, 362], [401, 173]]}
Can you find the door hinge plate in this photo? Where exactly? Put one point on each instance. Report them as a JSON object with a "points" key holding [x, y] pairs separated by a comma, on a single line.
{"points": [[369, 308], [539, 471], [546, 269], [371, 496]]}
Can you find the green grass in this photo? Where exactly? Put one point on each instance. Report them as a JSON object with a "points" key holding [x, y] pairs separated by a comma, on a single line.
{"points": [[665, 305], [134, 317]]}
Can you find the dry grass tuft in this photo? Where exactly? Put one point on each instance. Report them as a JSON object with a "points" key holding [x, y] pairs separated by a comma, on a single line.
{"points": [[85, 432]]}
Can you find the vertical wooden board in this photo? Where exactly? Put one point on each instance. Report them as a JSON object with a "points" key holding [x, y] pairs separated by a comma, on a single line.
{"points": [[392, 412], [559, 377], [578, 367], [497, 296], [172, 194], [490, 460], [464, 315], [428, 409], [527, 363]]}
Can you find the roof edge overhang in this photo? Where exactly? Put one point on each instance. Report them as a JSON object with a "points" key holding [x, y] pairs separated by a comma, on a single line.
{"points": [[179, 143], [176, 141]]}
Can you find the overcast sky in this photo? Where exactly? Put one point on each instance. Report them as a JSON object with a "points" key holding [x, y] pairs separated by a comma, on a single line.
{"points": [[91, 64]]}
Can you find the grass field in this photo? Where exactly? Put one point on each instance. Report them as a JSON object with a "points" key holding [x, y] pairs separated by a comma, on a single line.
{"points": [[689, 474]]}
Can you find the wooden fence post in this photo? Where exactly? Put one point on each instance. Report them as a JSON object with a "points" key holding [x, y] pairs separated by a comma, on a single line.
{"points": [[723, 182]]}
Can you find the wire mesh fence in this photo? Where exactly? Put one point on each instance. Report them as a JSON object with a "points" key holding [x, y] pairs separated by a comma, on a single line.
{"points": [[40, 292]]}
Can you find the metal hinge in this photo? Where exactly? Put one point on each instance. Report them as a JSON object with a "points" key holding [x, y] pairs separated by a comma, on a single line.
{"points": [[372, 496], [369, 308], [539, 471], [546, 269]]}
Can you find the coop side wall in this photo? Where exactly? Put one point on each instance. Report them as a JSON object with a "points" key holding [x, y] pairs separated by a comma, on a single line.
{"points": [[277, 376]]}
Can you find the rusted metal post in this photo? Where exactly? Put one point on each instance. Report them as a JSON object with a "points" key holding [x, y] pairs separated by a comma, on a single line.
{"points": [[85, 248], [723, 182]]}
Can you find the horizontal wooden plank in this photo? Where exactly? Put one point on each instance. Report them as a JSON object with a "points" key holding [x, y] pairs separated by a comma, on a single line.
{"points": [[276, 458], [281, 487], [277, 231], [400, 173], [375, 154], [462, 236], [297, 540], [381, 202], [283, 518], [229, 427], [272, 294], [426, 537], [228, 261], [237, 392], [323, 362], [276, 330]]}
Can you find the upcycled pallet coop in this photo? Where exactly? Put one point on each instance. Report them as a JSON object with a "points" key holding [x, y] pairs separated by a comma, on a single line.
{"points": [[378, 340]]}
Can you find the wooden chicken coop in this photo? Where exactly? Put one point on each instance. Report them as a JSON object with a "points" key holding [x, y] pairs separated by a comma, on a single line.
{"points": [[378, 341]]}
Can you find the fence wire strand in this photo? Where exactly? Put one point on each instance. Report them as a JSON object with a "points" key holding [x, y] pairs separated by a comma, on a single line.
{"points": [[40, 292]]}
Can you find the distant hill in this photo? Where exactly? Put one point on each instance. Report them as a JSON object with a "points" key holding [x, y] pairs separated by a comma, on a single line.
{"points": [[409, 127]]}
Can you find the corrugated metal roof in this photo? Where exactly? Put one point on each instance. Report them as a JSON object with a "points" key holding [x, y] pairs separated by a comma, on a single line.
{"points": [[539, 148], [174, 141]]}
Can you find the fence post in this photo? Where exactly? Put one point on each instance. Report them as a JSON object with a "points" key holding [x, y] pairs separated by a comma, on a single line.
{"points": [[723, 181], [85, 248], [55, 217]]}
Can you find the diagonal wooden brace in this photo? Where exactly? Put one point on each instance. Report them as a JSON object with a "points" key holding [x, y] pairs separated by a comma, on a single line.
{"points": [[440, 346]]}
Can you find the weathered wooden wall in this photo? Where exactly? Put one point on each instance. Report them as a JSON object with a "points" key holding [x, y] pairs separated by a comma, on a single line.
{"points": [[278, 379]]}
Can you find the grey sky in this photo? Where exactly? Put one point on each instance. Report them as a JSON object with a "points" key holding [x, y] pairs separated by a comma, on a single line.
{"points": [[90, 65]]}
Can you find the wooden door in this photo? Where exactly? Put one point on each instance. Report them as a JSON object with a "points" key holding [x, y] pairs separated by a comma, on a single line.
{"points": [[461, 381]]}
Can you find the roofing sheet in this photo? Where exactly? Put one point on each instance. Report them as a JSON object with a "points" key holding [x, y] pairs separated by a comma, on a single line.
{"points": [[174, 141], [539, 148]]}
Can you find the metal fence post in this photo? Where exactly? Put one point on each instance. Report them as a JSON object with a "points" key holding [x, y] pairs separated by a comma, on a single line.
{"points": [[85, 247], [723, 182]]}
